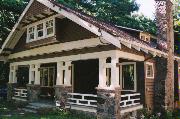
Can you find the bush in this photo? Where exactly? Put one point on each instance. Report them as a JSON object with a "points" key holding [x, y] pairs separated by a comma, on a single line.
{"points": [[145, 114]]}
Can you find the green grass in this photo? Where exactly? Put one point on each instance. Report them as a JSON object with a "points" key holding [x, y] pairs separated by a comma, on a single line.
{"points": [[9, 110]]}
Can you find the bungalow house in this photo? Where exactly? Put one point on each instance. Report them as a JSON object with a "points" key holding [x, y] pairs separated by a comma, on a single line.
{"points": [[59, 53]]}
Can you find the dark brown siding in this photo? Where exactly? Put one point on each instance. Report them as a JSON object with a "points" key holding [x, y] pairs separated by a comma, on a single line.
{"points": [[66, 31], [140, 80], [149, 87], [35, 9]]}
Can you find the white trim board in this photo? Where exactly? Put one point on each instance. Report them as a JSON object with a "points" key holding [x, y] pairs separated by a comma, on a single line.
{"points": [[58, 48], [95, 55]]}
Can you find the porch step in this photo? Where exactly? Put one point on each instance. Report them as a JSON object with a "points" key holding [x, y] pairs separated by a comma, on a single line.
{"points": [[29, 110], [34, 107]]}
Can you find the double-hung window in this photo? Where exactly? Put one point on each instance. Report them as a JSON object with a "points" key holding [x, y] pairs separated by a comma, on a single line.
{"points": [[49, 27], [40, 30], [31, 33]]}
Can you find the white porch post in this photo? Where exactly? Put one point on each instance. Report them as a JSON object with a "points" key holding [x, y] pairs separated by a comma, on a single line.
{"points": [[59, 80], [14, 77], [102, 73], [114, 72], [31, 73], [37, 74], [12, 74], [67, 78]]}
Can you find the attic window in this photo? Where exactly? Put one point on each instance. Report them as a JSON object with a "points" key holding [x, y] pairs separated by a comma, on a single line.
{"points": [[145, 37], [49, 27], [31, 33], [41, 29]]}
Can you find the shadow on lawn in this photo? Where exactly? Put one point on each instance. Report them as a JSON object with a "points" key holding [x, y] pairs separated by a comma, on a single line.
{"points": [[11, 110]]}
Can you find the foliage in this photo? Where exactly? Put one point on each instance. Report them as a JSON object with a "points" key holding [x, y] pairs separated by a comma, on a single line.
{"points": [[145, 114], [4, 74], [9, 13], [117, 12]]}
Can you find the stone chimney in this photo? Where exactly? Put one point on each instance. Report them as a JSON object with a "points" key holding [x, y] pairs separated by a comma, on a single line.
{"points": [[164, 21]]}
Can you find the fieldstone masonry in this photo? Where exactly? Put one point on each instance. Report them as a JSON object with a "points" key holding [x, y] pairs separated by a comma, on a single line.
{"points": [[10, 90], [108, 103], [61, 92], [33, 92]]}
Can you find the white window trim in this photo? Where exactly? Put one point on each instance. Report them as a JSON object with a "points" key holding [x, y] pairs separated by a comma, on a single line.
{"points": [[135, 75], [40, 30], [44, 29], [152, 64], [28, 34]]}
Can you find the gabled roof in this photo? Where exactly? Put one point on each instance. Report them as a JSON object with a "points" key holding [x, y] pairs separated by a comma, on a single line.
{"points": [[109, 32]]}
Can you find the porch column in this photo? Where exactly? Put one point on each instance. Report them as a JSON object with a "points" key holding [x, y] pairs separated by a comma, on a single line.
{"points": [[59, 80], [37, 74], [67, 78], [34, 89], [12, 82], [12, 74], [63, 83], [108, 98], [114, 72], [31, 74], [102, 73]]}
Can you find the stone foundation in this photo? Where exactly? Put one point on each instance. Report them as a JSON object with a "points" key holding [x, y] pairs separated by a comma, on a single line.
{"points": [[108, 103], [10, 90], [33, 92], [61, 92]]}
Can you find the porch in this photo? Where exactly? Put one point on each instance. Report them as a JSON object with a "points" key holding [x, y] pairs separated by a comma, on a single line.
{"points": [[83, 77]]}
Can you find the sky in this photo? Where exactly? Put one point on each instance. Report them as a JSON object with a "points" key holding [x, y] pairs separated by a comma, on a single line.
{"points": [[147, 7]]}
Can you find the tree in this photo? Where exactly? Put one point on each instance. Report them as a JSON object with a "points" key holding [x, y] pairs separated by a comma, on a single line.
{"points": [[117, 12], [9, 13]]}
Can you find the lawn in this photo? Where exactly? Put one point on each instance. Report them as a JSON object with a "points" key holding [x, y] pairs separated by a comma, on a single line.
{"points": [[9, 110]]}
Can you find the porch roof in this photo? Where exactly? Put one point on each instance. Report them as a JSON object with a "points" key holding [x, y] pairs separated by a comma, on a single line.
{"points": [[108, 32]]}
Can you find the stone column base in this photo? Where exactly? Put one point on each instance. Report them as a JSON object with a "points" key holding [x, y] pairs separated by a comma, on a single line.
{"points": [[33, 92], [10, 90], [108, 104], [61, 92]]}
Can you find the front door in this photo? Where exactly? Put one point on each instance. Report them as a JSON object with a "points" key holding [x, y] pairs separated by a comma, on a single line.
{"points": [[47, 76], [22, 76]]}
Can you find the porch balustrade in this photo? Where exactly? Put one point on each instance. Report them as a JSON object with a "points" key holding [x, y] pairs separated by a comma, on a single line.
{"points": [[128, 100], [20, 94], [88, 100]]}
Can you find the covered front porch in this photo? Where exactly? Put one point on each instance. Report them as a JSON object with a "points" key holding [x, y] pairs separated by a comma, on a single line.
{"points": [[87, 82]]}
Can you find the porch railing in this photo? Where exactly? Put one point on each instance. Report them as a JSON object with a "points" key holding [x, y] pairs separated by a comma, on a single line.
{"points": [[88, 100], [20, 94], [128, 100]]}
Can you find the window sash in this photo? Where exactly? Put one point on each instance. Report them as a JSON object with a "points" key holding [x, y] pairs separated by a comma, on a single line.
{"points": [[149, 70], [40, 30]]}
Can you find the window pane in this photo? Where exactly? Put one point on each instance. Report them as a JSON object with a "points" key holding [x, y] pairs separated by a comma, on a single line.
{"points": [[149, 70], [49, 23], [40, 33], [31, 36], [128, 77], [40, 26], [50, 31]]}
